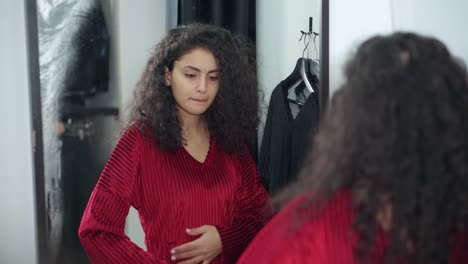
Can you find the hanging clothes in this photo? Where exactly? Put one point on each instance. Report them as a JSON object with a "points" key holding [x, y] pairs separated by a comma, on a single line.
{"points": [[286, 138]]}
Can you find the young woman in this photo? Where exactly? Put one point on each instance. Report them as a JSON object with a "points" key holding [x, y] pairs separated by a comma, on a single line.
{"points": [[387, 181], [182, 161]]}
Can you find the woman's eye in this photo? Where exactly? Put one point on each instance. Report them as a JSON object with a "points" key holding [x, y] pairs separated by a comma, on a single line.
{"points": [[190, 76], [214, 78]]}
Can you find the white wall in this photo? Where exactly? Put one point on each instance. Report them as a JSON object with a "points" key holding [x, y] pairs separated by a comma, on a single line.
{"points": [[446, 21], [139, 25], [351, 22], [17, 221], [278, 31]]}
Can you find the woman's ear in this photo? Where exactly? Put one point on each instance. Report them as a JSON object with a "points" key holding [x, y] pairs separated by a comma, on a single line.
{"points": [[167, 76]]}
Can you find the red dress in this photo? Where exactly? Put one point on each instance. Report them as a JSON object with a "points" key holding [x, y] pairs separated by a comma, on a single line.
{"points": [[327, 239], [172, 192]]}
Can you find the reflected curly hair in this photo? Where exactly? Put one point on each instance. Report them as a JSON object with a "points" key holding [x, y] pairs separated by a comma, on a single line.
{"points": [[396, 134], [234, 115]]}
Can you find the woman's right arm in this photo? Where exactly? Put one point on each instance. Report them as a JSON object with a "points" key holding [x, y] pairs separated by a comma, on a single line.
{"points": [[101, 230]]}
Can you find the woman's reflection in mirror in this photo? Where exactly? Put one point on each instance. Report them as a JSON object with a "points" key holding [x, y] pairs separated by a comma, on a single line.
{"points": [[182, 160]]}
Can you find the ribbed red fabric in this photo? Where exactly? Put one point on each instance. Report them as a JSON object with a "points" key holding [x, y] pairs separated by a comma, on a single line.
{"points": [[172, 192], [327, 239]]}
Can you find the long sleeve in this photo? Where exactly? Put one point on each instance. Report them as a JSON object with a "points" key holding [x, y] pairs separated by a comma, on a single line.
{"points": [[252, 211], [102, 227]]}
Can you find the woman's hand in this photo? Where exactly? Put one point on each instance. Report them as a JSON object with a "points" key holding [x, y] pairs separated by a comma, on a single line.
{"points": [[202, 250]]}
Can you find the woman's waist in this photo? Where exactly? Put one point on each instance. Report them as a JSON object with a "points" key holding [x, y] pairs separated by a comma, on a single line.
{"points": [[162, 249]]}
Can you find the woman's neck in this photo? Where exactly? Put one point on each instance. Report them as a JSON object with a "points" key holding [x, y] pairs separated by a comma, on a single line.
{"points": [[193, 126]]}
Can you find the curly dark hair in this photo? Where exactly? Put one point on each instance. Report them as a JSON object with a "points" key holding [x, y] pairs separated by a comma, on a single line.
{"points": [[234, 115], [396, 133]]}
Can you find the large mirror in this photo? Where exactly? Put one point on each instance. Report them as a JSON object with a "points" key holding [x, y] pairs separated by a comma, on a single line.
{"points": [[90, 54]]}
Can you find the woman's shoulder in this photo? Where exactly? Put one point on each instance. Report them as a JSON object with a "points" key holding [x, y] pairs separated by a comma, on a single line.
{"points": [[304, 213], [301, 230], [309, 211], [138, 133]]}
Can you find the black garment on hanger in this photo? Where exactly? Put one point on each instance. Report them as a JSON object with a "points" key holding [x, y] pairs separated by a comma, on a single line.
{"points": [[286, 140]]}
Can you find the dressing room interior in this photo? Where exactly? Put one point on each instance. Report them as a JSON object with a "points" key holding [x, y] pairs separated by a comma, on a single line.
{"points": [[69, 70]]}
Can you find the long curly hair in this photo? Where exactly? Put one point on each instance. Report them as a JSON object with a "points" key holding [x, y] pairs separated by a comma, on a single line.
{"points": [[396, 133], [234, 114]]}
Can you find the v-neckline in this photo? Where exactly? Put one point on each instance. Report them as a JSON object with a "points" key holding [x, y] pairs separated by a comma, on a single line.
{"points": [[210, 143]]}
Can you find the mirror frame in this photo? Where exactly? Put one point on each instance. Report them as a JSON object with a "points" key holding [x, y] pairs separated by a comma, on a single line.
{"points": [[32, 39], [324, 56]]}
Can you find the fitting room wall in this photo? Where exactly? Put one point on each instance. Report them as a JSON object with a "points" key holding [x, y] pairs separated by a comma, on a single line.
{"points": [[17, 206]]}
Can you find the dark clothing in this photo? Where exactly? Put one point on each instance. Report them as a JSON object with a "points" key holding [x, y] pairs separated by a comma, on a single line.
{"points": [[285, 139]]}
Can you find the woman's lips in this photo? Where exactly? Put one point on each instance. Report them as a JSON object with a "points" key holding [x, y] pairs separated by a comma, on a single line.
{"points": [[199, 100]]}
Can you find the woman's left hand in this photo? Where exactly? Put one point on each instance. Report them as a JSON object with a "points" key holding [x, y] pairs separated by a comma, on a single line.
{"points": [[202, 250]]}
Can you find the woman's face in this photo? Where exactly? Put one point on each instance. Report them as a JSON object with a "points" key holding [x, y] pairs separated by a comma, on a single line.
{"points": [[194, 81]]}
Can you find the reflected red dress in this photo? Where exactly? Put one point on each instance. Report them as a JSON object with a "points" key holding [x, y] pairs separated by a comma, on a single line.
{"points": [[172, 192]]}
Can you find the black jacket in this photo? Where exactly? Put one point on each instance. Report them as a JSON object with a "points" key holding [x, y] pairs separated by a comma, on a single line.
{"points": [[285, 140]]}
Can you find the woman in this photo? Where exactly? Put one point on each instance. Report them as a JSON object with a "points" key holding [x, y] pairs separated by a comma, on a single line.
{"points": [[387, 181], [182, 162]]}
